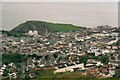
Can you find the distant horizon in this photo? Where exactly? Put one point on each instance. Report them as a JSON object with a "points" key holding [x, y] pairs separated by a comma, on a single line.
{"points": [[84, 14]]}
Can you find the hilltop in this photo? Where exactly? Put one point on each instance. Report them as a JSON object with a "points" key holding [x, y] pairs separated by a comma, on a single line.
{"points": [[42, 26]]}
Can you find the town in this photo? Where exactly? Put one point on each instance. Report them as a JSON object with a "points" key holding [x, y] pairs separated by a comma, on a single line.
{"points": [[93, 52]]}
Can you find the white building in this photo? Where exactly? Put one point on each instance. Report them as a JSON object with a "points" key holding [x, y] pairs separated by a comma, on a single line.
{"points": [[70, 68], [35, 32], [32, 33]]}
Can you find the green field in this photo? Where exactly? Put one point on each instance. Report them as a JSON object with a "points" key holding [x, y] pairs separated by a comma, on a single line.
{"points": [[49, 75], [55, 26], [63, 27]]}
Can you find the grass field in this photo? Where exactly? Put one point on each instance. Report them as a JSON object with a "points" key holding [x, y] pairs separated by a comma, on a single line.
{"points": [[49, 75]]}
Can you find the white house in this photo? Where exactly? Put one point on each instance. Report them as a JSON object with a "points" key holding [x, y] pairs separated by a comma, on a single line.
{"points": [[31, 33]]}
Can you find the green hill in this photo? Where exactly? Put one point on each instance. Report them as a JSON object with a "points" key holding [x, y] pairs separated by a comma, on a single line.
{"points": [[42, 26], [49, 75]]}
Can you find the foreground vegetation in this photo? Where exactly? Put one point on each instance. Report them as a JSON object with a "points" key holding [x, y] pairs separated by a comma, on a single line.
{"points": [[49, 75]]}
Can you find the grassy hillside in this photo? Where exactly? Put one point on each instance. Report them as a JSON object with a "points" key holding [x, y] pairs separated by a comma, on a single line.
{"points": [[49, 75], [42, 26]]}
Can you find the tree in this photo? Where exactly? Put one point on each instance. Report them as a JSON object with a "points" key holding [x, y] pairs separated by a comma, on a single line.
{"points": [[83, 59], [46, 57], [117, 71], [5, 73], [104, 59], [55, 55], [15, 58]]}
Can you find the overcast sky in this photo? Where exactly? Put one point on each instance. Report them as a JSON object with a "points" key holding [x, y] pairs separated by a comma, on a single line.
{"points": [[88, 14]]}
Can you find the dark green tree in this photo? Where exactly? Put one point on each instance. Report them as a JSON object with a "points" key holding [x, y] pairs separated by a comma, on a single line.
{"points": [[104, 59]]}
